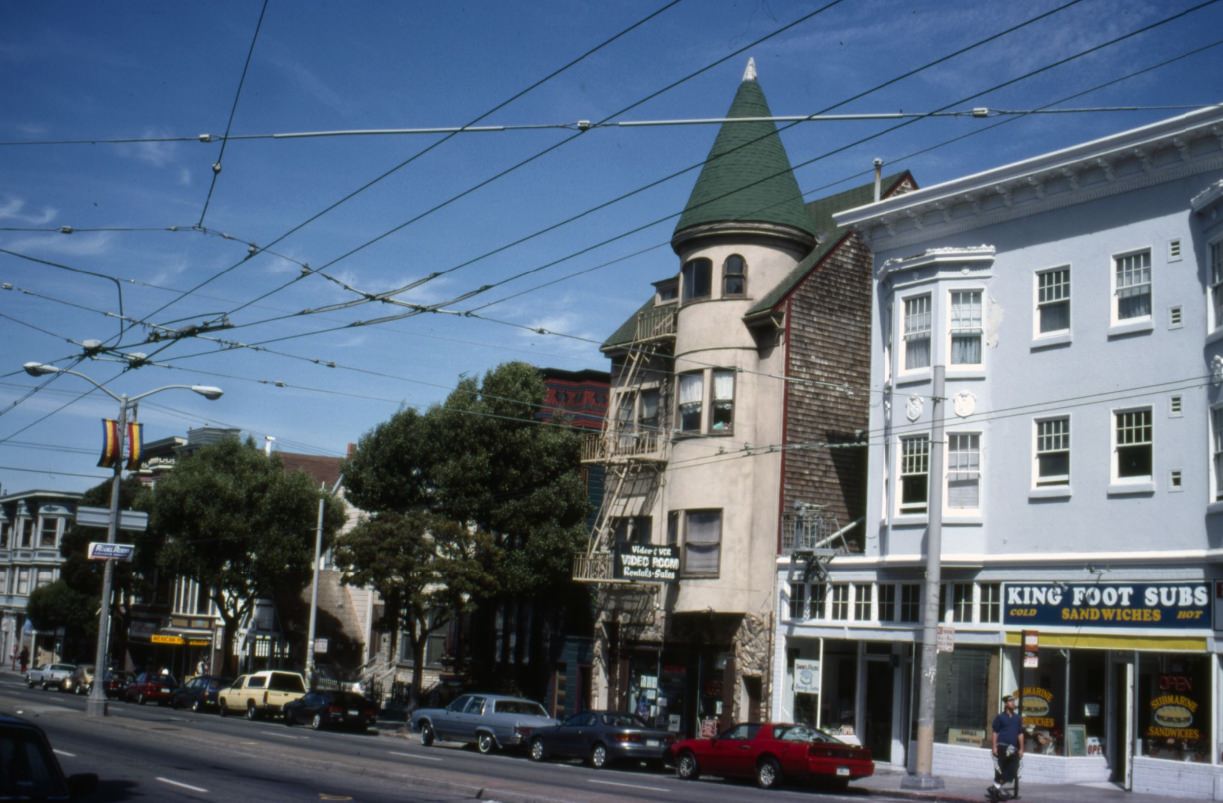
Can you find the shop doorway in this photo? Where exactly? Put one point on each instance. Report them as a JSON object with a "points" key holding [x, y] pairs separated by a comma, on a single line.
{"points": [[1118, 722], [877, 722]]}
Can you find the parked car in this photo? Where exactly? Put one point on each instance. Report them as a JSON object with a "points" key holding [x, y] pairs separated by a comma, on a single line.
{"points": [[29, 769], [261, 693], [324, 708], [114, 681], [78, 682], [199, 693], [601, 737], [772, 753], [150, 687], [492, 721], [49, 675]]}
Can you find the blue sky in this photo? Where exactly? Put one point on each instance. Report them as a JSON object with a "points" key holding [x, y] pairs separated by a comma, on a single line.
{"points": [[143, 70]]}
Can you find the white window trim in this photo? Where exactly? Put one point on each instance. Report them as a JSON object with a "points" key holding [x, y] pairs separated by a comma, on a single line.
{"points": [[963, 512], [1130, 485], [1213, 491], [1055, 336], [1049, 490], [1141, 323], [901, 513], [1213, 324], [901, 351], [961, 370]]}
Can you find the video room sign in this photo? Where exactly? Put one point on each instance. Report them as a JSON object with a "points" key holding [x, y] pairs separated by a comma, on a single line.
{"points": [[1163, 606]]}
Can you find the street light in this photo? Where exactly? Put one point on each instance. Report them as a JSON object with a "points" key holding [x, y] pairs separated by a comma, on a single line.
{"points": [[95, 706]]}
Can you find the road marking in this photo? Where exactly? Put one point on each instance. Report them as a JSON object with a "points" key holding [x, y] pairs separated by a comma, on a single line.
{"points": [[283, 735], [413, 755], [183, 785], [634, 786], [63, 752]]}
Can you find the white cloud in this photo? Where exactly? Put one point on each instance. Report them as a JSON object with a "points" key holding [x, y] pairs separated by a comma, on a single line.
{"points": [[157, 154], [184, 177], [14, 209], [74, 245]]}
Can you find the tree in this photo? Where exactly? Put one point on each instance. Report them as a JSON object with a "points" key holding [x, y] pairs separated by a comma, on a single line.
{"points": [[427, 569], [483, 461], [56, 606], [240, 526]]}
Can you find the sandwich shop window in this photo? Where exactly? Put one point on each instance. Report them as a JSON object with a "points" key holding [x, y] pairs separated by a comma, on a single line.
{"points": [[1175, 706]]}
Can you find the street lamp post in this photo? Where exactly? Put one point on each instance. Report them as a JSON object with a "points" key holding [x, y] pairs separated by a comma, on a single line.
{"points": [[95, 706]]}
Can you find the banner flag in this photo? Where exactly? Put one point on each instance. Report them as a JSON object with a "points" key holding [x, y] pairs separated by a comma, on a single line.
{"points": [[135, 444], [110, 443]]}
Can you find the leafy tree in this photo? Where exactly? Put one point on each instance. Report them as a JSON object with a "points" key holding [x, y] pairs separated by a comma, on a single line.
{"points": [[427, 568], [483, 461], [240, 526], [57, 605]]}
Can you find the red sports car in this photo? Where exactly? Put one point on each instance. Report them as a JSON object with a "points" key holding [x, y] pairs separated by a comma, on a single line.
{"points": [[772, 753]]}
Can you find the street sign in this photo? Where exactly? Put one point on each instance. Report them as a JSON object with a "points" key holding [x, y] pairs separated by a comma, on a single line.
{"points": [[655, 563], [158, 638], [101, 550], [132, 520], [1031, 649], [944, 639]]}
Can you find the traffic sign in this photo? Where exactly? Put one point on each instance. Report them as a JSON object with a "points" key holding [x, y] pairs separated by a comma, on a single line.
{"points": [[134, 520], [101, 550]]}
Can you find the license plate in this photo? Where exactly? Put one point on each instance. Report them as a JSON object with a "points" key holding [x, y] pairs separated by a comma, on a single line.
{"points": [[352, 713], [651, 743], [842, 771], [165, 691]]}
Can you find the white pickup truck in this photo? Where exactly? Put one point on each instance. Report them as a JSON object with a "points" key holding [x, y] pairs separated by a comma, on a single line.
{"points": [[49, 675]]}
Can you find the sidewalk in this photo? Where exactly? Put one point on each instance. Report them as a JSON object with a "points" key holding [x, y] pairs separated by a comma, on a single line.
{"points": [[886, 781]]}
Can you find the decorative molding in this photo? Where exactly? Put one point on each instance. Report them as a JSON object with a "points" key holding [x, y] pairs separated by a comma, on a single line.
{"points": [[1207, 196], [1106, 166], [1037, 186], [980, 255]]}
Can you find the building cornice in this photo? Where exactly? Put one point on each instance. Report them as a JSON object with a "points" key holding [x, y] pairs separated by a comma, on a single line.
{"points": [[973, 256], [1153, 154], [1207, 197], [994, 560]]}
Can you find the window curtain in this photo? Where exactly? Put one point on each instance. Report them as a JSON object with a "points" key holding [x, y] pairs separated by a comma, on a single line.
{"points": [[690, 388], [702, 541]]}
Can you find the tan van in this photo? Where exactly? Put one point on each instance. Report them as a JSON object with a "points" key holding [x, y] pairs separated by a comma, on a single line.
{"points": [[261, 693]]}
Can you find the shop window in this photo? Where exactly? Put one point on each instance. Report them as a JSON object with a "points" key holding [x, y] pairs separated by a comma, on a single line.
{"points": [[695, 279], [734, 276], [840, 602], [1175, 706], [910, 603], [723, 401], [991, 602], [887, 602], [864, 599], [1044, 703]]}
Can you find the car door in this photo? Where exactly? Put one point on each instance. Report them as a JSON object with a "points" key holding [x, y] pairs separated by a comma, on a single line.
{"points": [[573, 736], [470, 719], [731, 752], [446, 724]]}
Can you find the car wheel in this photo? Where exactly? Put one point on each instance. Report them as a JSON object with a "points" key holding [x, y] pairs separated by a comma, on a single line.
{"points": [[44, 685], [29, 683], [686, 769], [598, 756], [485, 743], [537, 749], [251, 712], [140, 699], [768, 773], [197, 706], [317, 722], [223, 709], [427, 736]]}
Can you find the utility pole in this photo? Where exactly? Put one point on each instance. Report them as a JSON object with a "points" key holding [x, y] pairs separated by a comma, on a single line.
{"points": [[924, 777], [311, 669]]}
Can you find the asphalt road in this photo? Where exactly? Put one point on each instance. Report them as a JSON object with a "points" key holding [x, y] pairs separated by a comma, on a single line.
{"points": [[155, 753]]}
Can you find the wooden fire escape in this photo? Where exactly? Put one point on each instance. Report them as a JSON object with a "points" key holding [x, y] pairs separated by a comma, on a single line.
{"points": [[633, 453]]}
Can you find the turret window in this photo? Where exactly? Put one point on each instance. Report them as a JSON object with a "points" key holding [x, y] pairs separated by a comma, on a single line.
{"points": [[734, 276], [691, 393], [696, 278], [723, 401]]}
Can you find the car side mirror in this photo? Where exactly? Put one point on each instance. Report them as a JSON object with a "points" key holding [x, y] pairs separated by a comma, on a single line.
{"points": [[82, 785]]}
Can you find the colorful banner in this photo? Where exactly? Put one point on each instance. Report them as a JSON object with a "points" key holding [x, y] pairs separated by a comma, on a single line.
{"points": [[135, 444], [110, 443], [1160, 606]]}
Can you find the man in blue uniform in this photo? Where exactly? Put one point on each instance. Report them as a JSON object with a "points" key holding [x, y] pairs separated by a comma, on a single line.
{"points": [[1006, 742]]}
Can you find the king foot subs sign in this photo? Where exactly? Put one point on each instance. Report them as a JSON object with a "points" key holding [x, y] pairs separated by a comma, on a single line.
{"points": [[1162, 606]]}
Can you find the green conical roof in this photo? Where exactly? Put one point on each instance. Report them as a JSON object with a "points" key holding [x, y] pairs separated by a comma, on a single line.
{"points": [[747, 176]]}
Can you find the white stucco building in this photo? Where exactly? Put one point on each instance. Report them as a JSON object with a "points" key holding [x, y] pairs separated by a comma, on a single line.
{"points": [[1074, 301]]}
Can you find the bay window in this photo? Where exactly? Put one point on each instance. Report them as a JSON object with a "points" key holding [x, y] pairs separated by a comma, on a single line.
{"points": [[917, 333], [691, 393], [966, 327]]}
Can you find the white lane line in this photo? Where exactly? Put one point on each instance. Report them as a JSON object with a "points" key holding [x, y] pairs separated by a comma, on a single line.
{"points": [[413, 755], [183, 785], [282, 735], [63, 752], [633, 786]]}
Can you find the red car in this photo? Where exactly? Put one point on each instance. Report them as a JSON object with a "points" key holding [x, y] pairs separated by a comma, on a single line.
{"points": [[150, 687], [772, 753]]}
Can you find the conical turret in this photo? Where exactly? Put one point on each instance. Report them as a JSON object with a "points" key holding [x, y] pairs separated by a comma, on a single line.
{"points": [[747, 183]]}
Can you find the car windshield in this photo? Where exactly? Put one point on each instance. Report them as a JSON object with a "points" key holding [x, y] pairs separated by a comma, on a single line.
{"points": [[520, 707]]}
